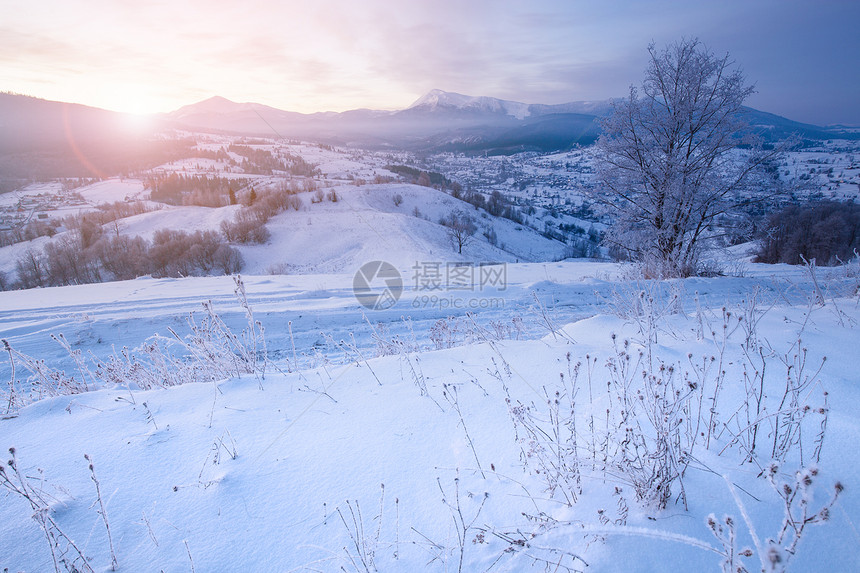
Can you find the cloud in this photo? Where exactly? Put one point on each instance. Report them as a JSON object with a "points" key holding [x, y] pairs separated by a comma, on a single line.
{"points": [[338, 54]]}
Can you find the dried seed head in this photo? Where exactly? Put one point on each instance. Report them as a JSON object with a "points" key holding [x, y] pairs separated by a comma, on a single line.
{"points": [[774, 556]]}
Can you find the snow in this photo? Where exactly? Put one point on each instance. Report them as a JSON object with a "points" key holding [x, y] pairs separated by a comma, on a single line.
{"points": [[369, 226], [188, 219], [112, 190], [438, 98], [371, 428], [319, 443]]}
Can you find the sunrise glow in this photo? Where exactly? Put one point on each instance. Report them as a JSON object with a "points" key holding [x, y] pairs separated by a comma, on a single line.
{"points": [[339, 55]]}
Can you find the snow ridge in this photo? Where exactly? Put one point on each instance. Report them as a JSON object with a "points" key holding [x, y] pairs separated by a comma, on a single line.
{"points": [[437, 99]]}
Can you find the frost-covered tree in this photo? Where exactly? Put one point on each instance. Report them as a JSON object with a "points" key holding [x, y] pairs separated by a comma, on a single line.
{"points": [[670, 160], [460, 228]]}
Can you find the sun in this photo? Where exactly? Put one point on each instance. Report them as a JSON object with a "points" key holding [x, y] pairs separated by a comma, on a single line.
{"points": [[136, 109], [137, 122]]}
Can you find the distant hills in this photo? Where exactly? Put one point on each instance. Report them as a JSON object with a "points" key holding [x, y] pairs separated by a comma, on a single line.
{"points": [[41, 138], [438, 121], [447, 121], [44, 139]]}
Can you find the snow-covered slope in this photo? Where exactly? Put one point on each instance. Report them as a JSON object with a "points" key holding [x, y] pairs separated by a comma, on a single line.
{"points": [[412, 461], [363, 225], [366, 225]]}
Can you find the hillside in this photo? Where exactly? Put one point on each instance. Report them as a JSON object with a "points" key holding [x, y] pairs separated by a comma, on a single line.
{"points": [[493, 408], [43, 139], [441, 471], [364, 224]]}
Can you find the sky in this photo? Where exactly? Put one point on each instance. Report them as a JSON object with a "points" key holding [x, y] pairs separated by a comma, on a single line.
{"points": [[333, 55]]}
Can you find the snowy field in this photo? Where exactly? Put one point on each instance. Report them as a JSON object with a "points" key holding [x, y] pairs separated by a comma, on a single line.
{"points": [[422, 438], [495, 409]]}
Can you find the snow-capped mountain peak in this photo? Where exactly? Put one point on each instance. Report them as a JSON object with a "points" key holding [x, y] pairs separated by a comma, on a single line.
{"points": [[438, 99], [215, 105]]}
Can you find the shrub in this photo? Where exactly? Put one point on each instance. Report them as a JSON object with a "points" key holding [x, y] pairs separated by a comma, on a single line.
{"points": [[248, 227], [31, 269], [177, 253], [68, 264], [123, 257], [271, 203], [172, 253], [228, 260]]}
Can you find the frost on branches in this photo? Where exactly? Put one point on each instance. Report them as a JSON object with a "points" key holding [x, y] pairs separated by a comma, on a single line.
{"points": [[676, 159]]}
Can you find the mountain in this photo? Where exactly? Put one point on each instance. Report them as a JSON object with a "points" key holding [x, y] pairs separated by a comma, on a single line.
{"points": [[438, 101], [448, 121], [437, 121], [40, 138], [44, 139], [32, 123], [217, 104], [221, 114], [775, 127]]}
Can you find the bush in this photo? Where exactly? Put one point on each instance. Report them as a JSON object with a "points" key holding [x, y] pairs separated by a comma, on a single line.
{"points": [[172, 253], [123, 257], [248, 227], [227, 260], [827, 231], [30, 269], [273, 202], [67, 264], [179, 254]]}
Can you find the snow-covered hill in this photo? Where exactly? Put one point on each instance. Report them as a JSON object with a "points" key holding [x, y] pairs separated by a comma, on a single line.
{"points": [[421, 459], [365, 224]]}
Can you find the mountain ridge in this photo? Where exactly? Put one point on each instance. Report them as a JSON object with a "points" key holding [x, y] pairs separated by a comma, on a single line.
{"points": [[437, 121]]}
